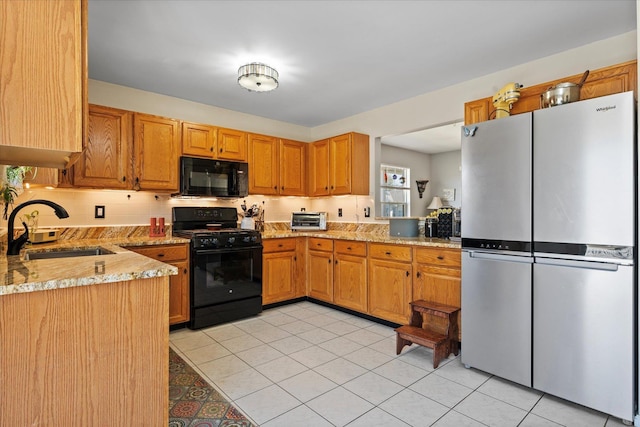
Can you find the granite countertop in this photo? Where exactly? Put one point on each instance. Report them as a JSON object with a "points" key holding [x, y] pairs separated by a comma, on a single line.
{"points": [[365, 237], [18, 275]]}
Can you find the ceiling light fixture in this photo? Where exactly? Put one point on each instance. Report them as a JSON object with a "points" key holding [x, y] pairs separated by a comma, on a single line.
{"points": [[257, 77]]}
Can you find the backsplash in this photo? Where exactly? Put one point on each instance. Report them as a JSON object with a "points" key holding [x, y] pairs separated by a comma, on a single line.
{"points": [[127, 208]]}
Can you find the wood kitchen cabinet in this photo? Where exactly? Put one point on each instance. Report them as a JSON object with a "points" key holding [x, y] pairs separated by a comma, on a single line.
{"points": [[85, 355], [350, 275], [339, 165], [276, 166], [178, 256], [390, 282], [232, 145], [106, 158], [280, 270], [437, 273], [604, 81], [320, 269], [43, 76], [198, 140], [156, 148]]}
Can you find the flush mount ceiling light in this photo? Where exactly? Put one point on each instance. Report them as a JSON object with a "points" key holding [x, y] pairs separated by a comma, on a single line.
{"points": [[257, 77]]}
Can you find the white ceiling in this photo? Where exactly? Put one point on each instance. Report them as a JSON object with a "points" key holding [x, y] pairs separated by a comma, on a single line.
{"points": [[335, 58], [434, 140]]}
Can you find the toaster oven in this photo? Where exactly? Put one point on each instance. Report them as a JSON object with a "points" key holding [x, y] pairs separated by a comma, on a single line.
{"points": [[308, 220]]}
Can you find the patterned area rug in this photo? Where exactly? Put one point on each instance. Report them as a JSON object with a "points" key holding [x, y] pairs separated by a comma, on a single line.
{"points": [[194, 403]]}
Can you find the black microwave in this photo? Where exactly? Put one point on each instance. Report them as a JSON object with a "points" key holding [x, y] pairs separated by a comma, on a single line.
{"points": [[213, 178]]}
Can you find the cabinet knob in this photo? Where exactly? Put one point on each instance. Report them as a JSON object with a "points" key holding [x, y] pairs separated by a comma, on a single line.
{"points": [[387, 253], [336, 262], [295, 258], [275, 187], [440, 257], [211, 149], [326, 188], [407, 274], [185, 271], [329, 261], [160, 255], [332, 187], [418, 274], [282, 188], [124, 179], [221, 150]]}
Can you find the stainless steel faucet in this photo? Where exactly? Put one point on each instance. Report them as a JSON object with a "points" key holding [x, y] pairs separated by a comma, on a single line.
{"points": [[14, 245]]}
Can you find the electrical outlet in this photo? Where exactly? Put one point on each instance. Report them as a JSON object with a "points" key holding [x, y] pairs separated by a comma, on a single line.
{"points": [[340, 212], [303, 209], [367, 212], [99, 211]]}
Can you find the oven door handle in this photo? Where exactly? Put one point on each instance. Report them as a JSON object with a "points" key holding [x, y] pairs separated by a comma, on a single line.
{"points": [[225, 250]]}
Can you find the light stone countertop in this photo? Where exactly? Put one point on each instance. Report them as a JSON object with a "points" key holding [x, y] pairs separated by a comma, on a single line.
{"points": [[18, 275], [365, 237]]}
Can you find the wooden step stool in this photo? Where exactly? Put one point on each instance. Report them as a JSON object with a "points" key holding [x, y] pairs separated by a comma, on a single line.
{"points": [[442, 344]]}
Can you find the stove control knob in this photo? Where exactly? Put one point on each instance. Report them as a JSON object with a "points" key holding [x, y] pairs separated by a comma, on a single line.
{"points": [[246, 239], [254, 238], [213, 241], [231, 240]]}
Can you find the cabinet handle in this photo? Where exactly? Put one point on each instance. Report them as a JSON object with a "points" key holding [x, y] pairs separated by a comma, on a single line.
{"points": [[185, 271], [295, 258], [332, 187], [418, 274], [282, 188], [326, 188], [387, 253], [275, 187], [279, 245], [160, 255], [124, 179], [407, 274], [440, 257], [329, 261], [336, 262], [211, 149], [221, 150], [348, 248]]}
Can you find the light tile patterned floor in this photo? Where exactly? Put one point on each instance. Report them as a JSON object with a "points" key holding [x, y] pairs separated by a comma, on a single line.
{"points": [[309, 365]]}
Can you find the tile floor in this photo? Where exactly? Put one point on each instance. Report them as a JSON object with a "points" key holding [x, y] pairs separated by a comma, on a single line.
{"points": [[308, 365]]}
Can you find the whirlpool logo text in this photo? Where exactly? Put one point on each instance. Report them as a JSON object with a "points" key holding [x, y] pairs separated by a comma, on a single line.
{"points": [[603, 109]]}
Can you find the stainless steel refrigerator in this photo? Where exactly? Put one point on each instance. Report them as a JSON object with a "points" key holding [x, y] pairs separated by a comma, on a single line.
{"points": [[548, 272]]}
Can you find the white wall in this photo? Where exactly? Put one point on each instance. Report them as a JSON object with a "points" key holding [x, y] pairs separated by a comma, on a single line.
{"points": [[420, 165], [428, 110], [446, 173]]}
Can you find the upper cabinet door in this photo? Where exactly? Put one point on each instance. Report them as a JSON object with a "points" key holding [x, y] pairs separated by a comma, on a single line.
{"points": [[43, 74], [106, 159], [263, 165], [319, 168], [232, 145], [340, 165], [292, 168], [198, 140], [156, 149]]}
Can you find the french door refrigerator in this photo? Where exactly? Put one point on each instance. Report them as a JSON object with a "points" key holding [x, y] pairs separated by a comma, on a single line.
{"points": [[582, 223]]}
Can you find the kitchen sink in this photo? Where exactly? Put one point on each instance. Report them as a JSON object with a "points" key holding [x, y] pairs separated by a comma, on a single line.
{"points": [[67, 253]]}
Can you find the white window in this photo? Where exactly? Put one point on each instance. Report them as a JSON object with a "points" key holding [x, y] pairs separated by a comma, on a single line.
{"points": [[395, 191]]}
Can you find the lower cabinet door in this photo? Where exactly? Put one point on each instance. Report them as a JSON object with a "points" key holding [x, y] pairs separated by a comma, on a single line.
{"points": [[320, 275], [390, 290], [278, 276], [179, 294], [350, 282]]}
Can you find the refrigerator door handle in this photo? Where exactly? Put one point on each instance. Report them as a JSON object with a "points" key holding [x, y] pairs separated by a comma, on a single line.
{"points": [[500, 257], [578, 264]]}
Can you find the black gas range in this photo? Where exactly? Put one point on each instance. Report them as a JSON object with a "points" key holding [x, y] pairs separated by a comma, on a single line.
{"points": [[226, 265]]}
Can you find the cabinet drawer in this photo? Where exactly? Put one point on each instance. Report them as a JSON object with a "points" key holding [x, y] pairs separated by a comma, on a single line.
{"points": [[350, 247], [439, 257], [316, 244], [278, 245], [163, 253], [390, 252]]}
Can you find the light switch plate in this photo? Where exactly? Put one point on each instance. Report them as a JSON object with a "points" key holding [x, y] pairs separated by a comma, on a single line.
{"points": [[448, 194]]}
